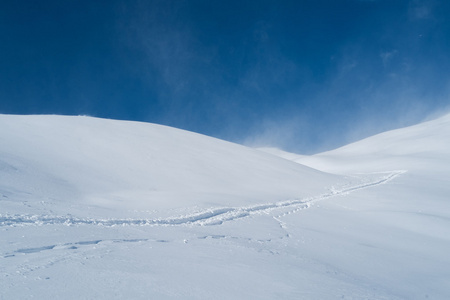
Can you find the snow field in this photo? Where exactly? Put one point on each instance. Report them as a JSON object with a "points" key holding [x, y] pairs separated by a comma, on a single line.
{"points": [[102, 209]]}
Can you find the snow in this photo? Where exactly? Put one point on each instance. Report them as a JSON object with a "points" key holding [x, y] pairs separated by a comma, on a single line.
{"points": [[129, 165], [103, 209]]}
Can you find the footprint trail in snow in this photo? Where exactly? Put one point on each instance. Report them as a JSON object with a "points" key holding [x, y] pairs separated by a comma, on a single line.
{"points": [[213, 216]]}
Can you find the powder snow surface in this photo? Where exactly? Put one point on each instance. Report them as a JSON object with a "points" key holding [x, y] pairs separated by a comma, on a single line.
{"points": [[104, 209]]}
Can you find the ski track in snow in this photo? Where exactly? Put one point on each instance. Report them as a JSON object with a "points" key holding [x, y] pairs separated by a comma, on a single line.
{"points": [[74, 246], [207, 217], [93, 244]]}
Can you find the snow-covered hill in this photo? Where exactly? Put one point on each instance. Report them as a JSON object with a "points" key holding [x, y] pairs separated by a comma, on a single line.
{"points": [[93, 208], [423, 148], [57, 161]]}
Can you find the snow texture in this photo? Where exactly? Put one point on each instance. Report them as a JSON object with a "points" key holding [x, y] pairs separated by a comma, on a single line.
{"points": [[103, 209]]}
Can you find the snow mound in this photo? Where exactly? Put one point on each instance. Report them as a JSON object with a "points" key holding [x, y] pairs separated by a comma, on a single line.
{"points": [[423, 147], [81, 162]]}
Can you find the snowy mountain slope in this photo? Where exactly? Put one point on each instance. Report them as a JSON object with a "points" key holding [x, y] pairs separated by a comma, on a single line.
{"points": [[399, 234], [424, 147], [137, 166], [102, 209]]}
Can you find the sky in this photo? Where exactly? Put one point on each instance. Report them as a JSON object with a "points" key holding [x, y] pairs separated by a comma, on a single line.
{"points": [[305, 76]]}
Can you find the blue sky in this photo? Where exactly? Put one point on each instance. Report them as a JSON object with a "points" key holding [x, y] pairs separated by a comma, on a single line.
{"points": [[306, 76]]}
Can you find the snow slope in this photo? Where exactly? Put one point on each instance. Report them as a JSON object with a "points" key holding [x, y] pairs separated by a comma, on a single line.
{"points": [[421, 148], [108, 164], [103, 209], [398, 236]]}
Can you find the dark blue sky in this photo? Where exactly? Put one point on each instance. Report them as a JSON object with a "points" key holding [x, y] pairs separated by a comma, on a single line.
{"points": [[305, 76]]}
